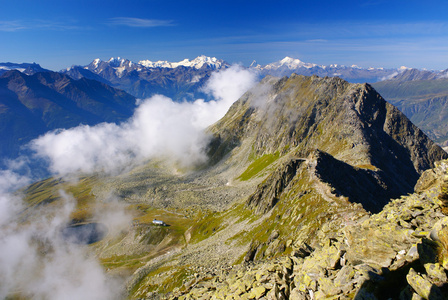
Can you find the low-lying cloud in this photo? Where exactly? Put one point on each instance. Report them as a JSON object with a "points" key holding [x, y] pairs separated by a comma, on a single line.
{"points": [[39, 263], [159, 127]]}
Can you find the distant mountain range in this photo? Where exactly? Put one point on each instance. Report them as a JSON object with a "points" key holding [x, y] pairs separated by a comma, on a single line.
{"points": [[179, 81], [183, 80], [423, 97], [28, 69], [35, 100], [31, 105], [416, 74], [354, 74]]}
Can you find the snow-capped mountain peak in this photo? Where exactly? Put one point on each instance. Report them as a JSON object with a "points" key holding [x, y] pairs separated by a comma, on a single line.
{"points": [[156, 64], [119, 62], [289, 63], [95, 63], [197, 63], [202, 60], [353, 73]]}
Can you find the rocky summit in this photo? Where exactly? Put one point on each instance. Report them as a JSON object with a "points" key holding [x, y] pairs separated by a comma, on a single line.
{"points": [[295, 202], [361, 140]]}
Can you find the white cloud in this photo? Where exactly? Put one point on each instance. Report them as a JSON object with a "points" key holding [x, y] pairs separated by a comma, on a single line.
{"points": [[11, 26], [159, 127], [39, 24], [137, 22], [38, 262]]}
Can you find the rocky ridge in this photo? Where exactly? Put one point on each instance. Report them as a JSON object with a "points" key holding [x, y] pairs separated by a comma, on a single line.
{"points": [[423, 101], [399, 253]]}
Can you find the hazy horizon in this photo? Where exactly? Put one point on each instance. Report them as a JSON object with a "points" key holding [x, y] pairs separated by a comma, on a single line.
{"points": [[375, 33]]}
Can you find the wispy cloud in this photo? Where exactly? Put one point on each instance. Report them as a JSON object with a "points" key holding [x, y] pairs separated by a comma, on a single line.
{"points": [[317, 41], [11, 26], [137, 22], [19, 25]]}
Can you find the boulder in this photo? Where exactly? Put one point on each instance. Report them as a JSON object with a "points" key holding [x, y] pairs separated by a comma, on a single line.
{"points": [[423, 287]]}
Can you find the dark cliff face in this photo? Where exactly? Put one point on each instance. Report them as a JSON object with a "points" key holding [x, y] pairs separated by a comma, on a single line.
{"points": [[350, 122]]}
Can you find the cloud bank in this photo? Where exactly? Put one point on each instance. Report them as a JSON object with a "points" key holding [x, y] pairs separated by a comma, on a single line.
{"points": [[159, 127]]}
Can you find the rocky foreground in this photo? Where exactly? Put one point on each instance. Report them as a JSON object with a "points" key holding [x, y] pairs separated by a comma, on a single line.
{"points": [[399, 253]]}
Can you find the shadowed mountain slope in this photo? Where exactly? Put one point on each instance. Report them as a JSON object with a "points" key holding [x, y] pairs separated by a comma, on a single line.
{"points": [[32, 105]]}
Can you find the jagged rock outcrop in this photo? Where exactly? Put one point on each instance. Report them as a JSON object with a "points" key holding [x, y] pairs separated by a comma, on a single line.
{"points": [[268, 193]]}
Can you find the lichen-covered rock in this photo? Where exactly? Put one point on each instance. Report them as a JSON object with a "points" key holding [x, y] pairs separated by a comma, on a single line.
{"points": [[423, 287], [436, 273], [443, 196], [257, 292], [371, 246], [297, 295], [442, 235]]}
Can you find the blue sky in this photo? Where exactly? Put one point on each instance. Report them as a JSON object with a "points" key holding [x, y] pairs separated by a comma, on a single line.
{"points": [[377, 33]]}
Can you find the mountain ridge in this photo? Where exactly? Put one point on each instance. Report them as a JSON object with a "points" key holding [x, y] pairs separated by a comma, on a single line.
{"points": [[183, 80], [351, 122], [179, 81], [26, 68]]}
